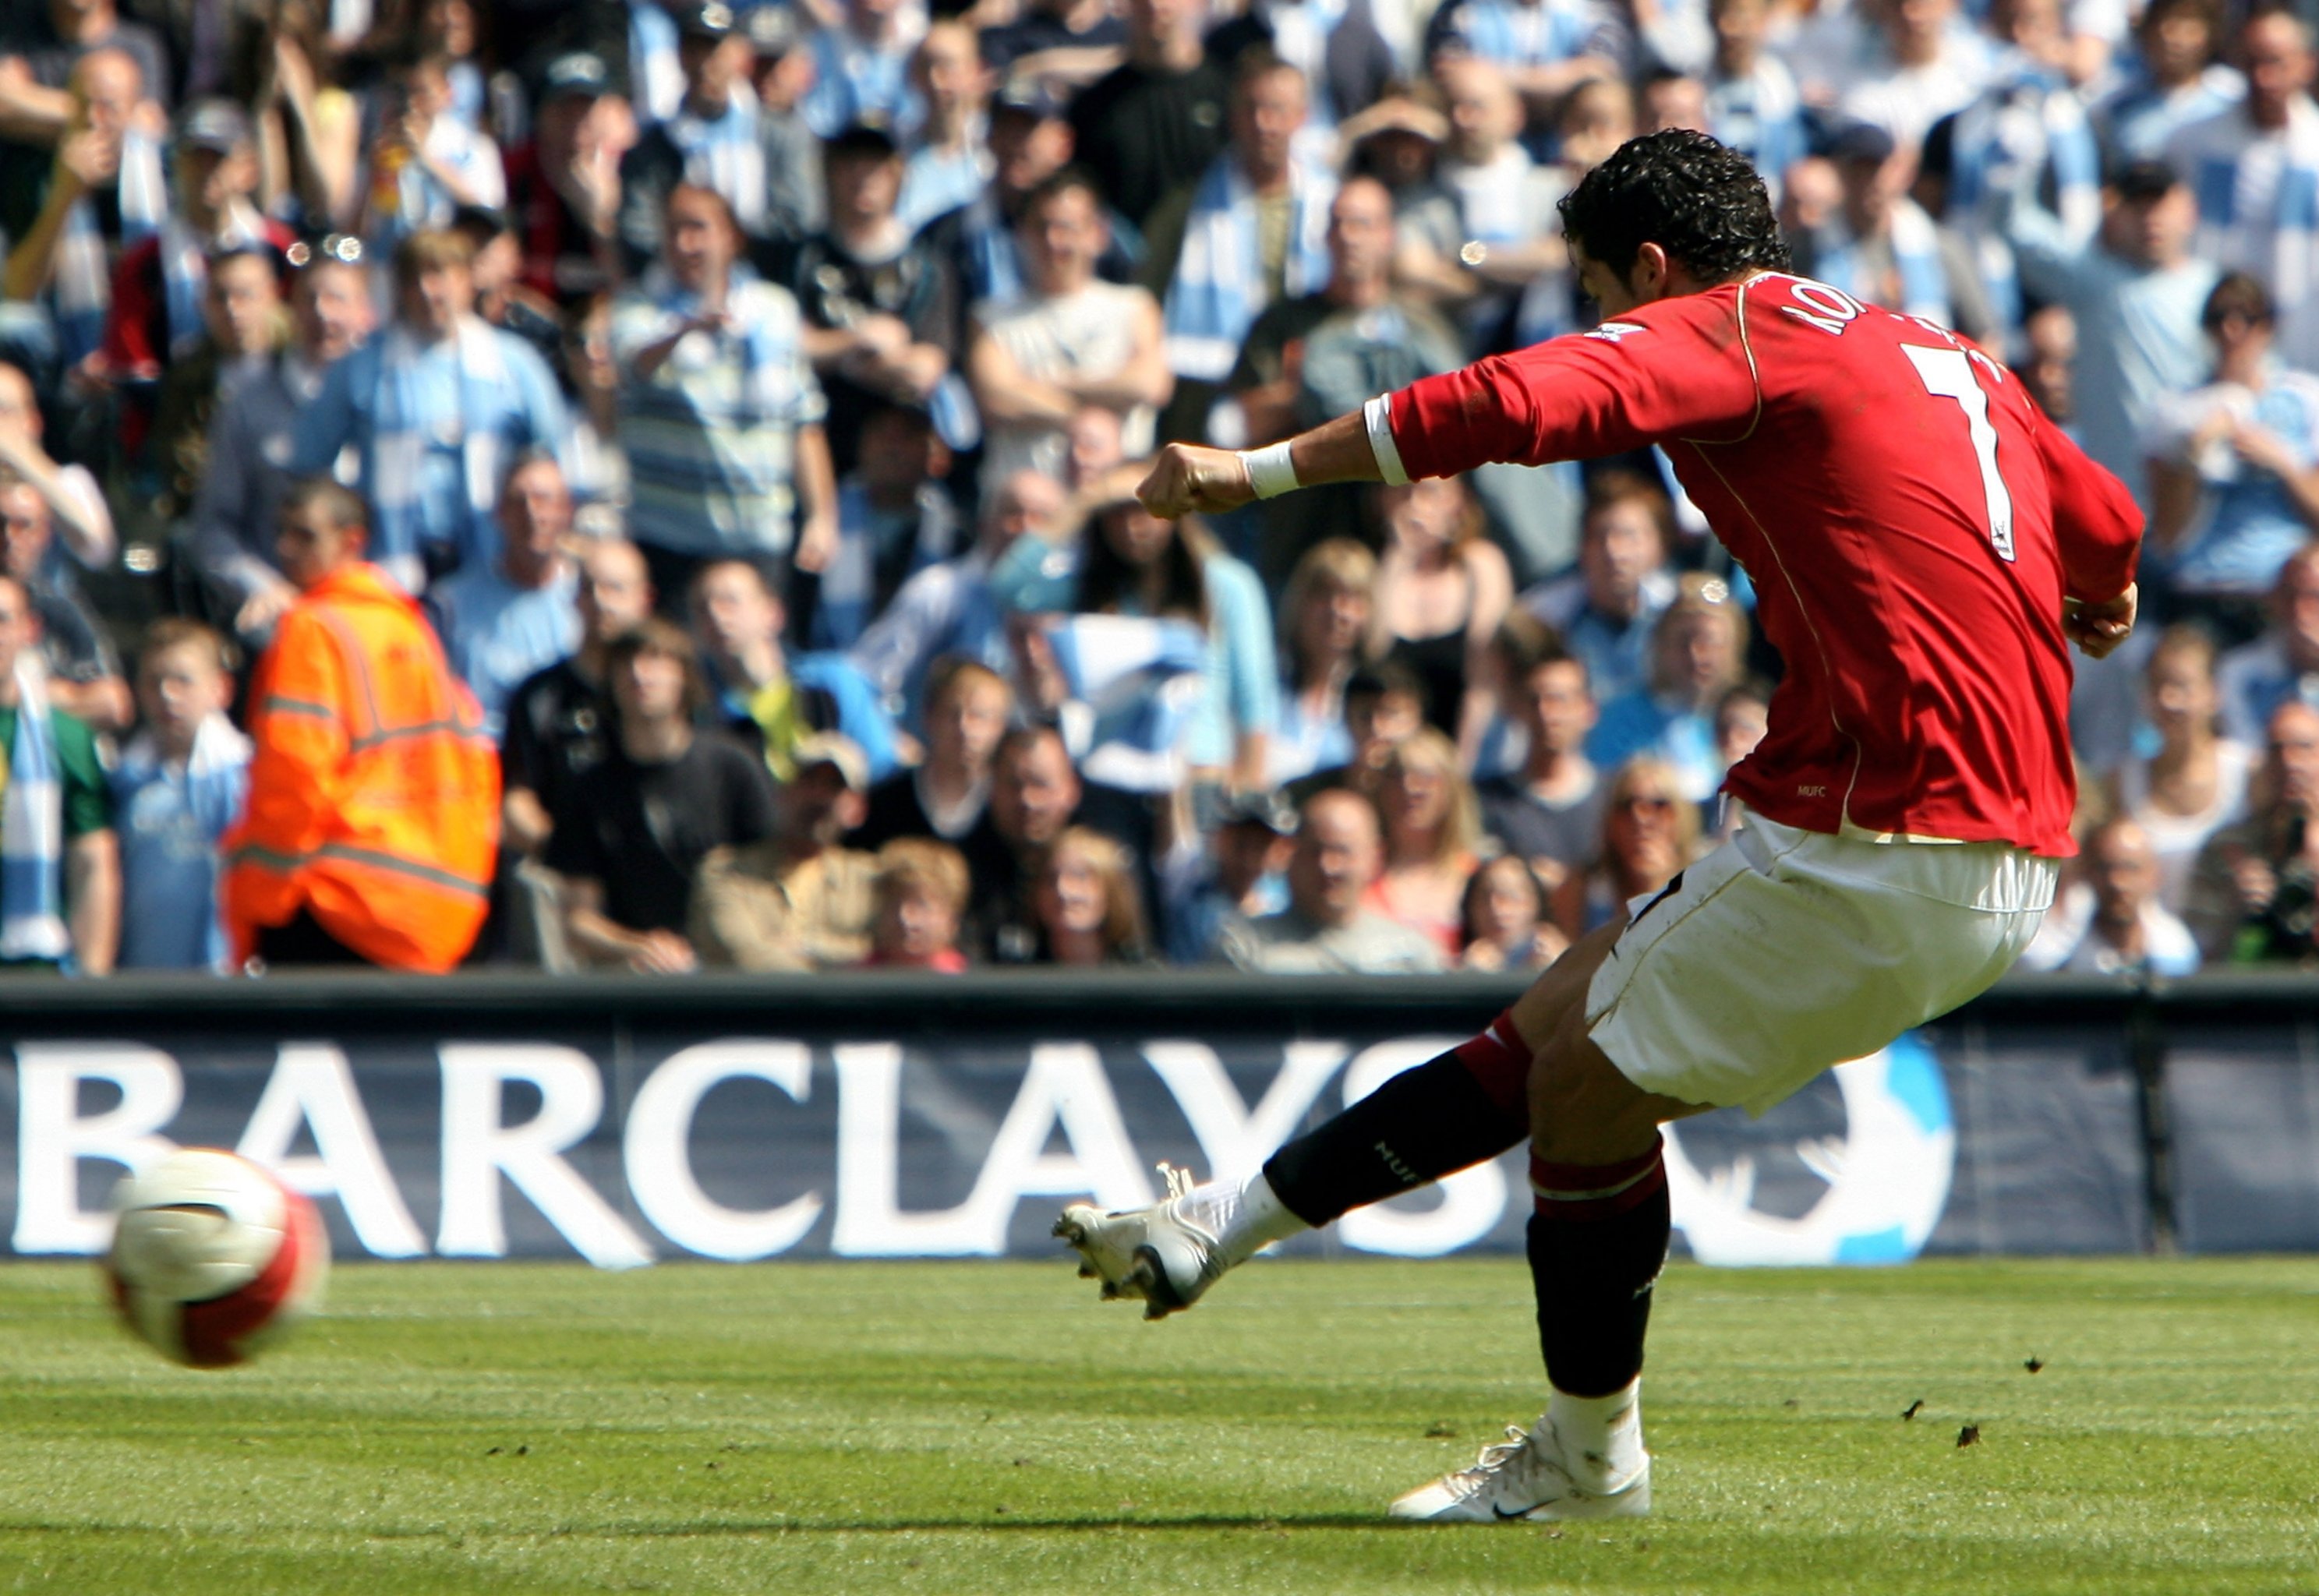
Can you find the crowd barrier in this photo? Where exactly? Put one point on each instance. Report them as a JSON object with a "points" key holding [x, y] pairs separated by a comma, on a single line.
{"points": [[627, 1120]]}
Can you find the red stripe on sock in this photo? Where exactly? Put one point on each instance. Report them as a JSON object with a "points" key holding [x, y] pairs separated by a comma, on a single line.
{"points": [[1499, 1062], [1597, 1191]]}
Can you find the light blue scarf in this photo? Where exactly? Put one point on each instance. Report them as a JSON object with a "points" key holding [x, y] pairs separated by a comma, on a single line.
{"points": [[1219, 290], [31, 831]]}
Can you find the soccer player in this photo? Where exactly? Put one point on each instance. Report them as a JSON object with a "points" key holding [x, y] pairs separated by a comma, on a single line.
{"points": [[1922, 541]]}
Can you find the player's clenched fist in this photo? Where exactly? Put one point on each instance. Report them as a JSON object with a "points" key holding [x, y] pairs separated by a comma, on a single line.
{"points": [[1189, 477]]}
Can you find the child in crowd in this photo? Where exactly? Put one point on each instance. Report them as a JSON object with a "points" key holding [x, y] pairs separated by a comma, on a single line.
{"points": [[920, 895], [180, 784]]}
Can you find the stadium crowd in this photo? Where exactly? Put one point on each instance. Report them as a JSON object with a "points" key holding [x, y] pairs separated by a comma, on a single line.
{"points": [[617, 483]]}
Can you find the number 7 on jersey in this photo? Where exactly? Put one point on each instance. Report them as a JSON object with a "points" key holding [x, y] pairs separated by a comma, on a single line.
{"points": [[1948, 375]]}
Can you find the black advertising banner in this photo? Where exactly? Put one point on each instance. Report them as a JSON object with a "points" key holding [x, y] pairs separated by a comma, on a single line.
{"points": [[625, 1122]]}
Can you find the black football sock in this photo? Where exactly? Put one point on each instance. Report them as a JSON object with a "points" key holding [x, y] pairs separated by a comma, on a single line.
{"points": [[1597, 1241], [1454, 1112]]}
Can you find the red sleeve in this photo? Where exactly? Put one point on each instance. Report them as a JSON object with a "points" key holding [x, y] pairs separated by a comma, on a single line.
{"points": [[2097, 526], [1675, 369], [128, 344]]}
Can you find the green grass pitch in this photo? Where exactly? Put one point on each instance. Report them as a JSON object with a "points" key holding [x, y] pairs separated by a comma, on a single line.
{"points": [[990, 1428]]}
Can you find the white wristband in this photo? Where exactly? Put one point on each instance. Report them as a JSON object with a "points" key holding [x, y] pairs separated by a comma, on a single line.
{"points": [[1378, 414], [1271, 471]]}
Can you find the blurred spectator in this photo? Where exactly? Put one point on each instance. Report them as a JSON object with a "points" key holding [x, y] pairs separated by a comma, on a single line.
{"points": [[1549, 812], [720, 415], [246, 475], [564, 187], [2180, 79], [309, 129], [76, 508], [1251, 230], [1505, 924], [1035, 793], [1069, 341], [1442, 590], [1753, 103], [1029, 143], [2195, 782], [948, 162], [1547, 47], [1328, 927], [427, 160], [632, 830], [1085, 905], [1156, 122], [861, 70], [1432, 835], [502, 623], [894, 518], [1607, 610], [434, 406], [59, 860], [919, 897], [503, 299], [2255, 895], [799, 899], [1700, 653], [1383, 706], [2254, 168], [1315, 355], [762, 691], [2235, 469], [881, 305], [1598, 116], [2112, 922], [2028, 127], [179, 786], [712, 142], [104, 194], [245, 328], [73, 645], [374, 796], [1237, 875], [1137, 564], [1397, 141], [951, 607], [2136, 293], [797, 203], [156, 309], [1510, 233], [1346, 60], [557, 721], [1325, 613], [1881, 248], [2283, 666], [1926, 65], [966, 710], [49, 40], [1650, 832], [2048, 366], [1672, 99]]}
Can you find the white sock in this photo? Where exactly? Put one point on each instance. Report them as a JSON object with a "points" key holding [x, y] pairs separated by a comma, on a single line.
{"points": [[1245, 1219], [1601, 1437]]}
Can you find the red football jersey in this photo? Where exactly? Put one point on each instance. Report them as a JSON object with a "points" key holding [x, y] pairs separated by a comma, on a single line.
{"points": [[1911, 522]]}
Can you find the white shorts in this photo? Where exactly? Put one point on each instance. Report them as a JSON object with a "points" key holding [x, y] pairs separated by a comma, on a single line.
{"points": [[1786, 952]]}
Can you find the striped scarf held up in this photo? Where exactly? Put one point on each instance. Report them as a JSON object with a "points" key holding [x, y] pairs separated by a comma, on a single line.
{"points": [[32, 830], [1219, 288], [82, 290]]}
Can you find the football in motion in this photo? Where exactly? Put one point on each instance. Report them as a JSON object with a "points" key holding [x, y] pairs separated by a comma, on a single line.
{"points": [[214, 1259]]}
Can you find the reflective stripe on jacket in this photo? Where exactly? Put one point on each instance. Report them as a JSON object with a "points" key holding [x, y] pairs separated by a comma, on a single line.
{"points": [[375, 794]]}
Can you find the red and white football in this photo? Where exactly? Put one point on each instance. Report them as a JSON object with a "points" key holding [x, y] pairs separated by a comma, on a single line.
{"points": [[214, 1259]]}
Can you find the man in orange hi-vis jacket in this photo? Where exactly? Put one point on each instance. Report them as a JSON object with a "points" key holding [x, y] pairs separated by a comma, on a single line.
{"points": [[374, 795]]}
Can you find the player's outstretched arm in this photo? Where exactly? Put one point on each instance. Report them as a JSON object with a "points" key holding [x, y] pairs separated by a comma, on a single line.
{"points": [[1192, 477]]}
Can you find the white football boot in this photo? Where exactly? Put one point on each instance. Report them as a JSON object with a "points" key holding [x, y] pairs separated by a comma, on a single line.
{"points": [[1166, 1255], [1524, 1477]]}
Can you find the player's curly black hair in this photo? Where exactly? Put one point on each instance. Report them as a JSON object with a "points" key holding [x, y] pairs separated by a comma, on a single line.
{"points": [[1698, 199]]}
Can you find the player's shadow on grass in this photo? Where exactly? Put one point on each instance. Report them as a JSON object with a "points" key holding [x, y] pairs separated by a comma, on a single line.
{"points": [[1024, 1521]]}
